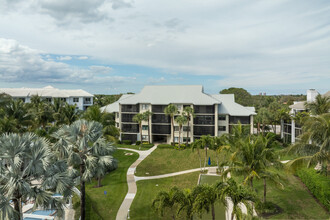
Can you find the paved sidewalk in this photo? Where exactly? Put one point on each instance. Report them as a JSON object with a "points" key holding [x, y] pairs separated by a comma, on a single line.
{"points": [[123, 210], [138, 178]]}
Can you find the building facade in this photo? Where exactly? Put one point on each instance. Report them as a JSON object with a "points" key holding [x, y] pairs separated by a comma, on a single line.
{"points": [[214, 114], [291, 130], [78, 97]]}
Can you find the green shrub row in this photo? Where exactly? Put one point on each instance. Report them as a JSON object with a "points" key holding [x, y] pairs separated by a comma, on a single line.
{"points": [[318, 184]]}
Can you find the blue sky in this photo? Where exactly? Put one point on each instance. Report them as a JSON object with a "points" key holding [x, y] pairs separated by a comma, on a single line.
{"points": [[118, 46]]}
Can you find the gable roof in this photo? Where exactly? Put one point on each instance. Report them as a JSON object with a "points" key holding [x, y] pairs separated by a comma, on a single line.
{"points": [[230, 107], [114, 107], [164, 95], [47, 91]]}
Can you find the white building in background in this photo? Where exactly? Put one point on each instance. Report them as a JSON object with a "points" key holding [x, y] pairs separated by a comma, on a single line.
{"points": [[78, 97], [291, 130], [215, 114]]}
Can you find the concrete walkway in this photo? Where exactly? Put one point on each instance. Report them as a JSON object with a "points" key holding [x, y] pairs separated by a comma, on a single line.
{"points": [[124, 208], [137, 178]]}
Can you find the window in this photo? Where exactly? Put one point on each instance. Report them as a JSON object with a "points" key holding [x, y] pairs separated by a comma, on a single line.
{"points": [[179, 107], [186, 128], [176, 139], [145, 106], [204, 120], [176, 128], [75, 99], [23, 99], [117, 125], [145, 137], [87, 99], [222, 128], [222, 118], [117, 115], [145, 127], [49, 100], [241, 119], [185, 139]]}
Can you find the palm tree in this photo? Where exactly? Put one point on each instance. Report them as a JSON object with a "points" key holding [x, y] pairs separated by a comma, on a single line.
{"points": [[273, 177], [186, 203], [197, 144], [237, 194], [30, 171], [102, 168], [181, 120], [314, 144], [189, 113], [207, 142], [220, 146], [320, 106], [147, 115], [139, 118], [4, 99], [283, 114], [167, 200], [205, 199], [82, 144], [171, 110], [70, 113]]}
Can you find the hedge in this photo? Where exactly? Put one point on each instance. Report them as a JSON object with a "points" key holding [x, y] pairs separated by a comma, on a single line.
{"points": [[164, 146], [318, 184]]}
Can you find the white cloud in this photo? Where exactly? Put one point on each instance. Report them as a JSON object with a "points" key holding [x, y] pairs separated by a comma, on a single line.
{"points": [[241, 42], [82, 58], [64, 58]]}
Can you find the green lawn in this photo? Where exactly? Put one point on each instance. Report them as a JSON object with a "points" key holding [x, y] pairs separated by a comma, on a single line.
{"points": [[294, 199], [219, 208], [135, 147], [148, 189], [164, 160], [100, 206]]}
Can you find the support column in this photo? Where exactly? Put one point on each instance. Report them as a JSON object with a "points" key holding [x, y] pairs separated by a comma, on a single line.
{"points": [[251, 125], [282, 128], [293, 131], [216, 120]]}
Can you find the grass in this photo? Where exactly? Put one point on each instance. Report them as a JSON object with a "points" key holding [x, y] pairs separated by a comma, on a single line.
{"points": [[135, 147], [99, 205], [147, 190], [164, 160], [294, 200], [219, 208]]}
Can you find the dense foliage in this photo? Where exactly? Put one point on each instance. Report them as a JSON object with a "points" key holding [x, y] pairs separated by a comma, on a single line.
{"points": [[318, 184]]}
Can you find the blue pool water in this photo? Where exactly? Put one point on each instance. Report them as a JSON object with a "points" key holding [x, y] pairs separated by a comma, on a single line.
{"points": [[40, 212]]}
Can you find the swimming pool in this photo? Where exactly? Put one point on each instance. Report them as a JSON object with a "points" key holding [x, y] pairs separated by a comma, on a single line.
{"points": [[40, 212]]}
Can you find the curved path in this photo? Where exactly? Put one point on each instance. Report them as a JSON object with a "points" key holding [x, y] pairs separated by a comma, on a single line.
{"points": [[123, 210]]}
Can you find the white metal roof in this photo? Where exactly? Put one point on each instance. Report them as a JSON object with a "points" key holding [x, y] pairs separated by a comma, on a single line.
{"points": [[164, 95], [229, 106], [114, 107], [298, 105], [47, 91]]}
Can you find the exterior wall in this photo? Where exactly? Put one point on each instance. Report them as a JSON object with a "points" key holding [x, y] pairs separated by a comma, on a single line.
{"points": [[206, 122]]}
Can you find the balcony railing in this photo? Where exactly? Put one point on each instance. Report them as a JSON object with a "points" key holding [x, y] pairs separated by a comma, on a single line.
{"points": [[87, 102]]}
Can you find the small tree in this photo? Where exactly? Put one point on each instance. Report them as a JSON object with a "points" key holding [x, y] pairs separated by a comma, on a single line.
{"points": [[139, 118], [171, 110], [189, 113], [197, 144], [181, 120]]}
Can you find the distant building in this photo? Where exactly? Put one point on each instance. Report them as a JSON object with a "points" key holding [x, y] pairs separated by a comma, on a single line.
{"points": [[291, 130], [78, 97], [215, 114]]}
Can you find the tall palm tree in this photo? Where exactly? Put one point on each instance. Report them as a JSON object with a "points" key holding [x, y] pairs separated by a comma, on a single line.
{"points": [[4, 99], [197, 144], [139, 118], [30, 171], [147, 115], [314, 144], [207, 142], [237, 194], [320, 106], [189, 113], [83, 145], [263, 117], [205, 200], [273, 177], [171, 110], [181, 120], [166, 201]]}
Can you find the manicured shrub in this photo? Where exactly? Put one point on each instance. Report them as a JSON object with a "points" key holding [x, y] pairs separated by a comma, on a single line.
{"points": [[318, 184], [127, 142], [148, 145], [137, 142]]}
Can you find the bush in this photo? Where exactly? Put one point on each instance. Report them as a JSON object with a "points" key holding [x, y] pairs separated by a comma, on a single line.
{"points": [[318, 184], [137, 142], [148, 145], [127, 142]]}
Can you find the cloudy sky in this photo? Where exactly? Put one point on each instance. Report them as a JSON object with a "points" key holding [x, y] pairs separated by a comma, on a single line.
{"points": [[114, 46]]}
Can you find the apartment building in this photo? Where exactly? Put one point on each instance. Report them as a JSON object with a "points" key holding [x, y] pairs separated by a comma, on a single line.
{"points": [[78, 97], [214, 114], [291, 130]]}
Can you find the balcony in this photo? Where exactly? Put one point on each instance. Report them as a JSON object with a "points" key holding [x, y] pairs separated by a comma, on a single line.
{"points": [[87, 102]]}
